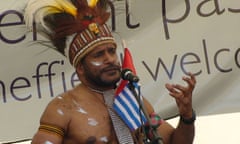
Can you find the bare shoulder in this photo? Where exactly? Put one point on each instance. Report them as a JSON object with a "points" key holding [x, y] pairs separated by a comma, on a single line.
{"points": [[54, 120], [56, 111], [58, 116]]}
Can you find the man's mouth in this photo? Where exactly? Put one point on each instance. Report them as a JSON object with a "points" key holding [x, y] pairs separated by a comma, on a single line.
{"points": [[111, 69]]}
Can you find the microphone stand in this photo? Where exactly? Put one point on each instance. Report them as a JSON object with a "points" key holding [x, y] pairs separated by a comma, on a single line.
{"points": [[156, 139]]}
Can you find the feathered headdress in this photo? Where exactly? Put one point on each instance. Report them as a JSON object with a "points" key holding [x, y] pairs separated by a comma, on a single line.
{"points": [[74, 27]]}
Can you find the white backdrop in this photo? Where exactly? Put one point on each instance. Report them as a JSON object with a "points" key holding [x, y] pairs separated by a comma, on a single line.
{"points": [[201, 36]]}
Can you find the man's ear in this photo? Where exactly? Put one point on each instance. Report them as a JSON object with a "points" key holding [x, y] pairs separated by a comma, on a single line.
{"points": [[80, 69]]}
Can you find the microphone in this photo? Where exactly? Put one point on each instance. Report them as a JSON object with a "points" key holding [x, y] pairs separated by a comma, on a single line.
{"points": [[128, 75]]}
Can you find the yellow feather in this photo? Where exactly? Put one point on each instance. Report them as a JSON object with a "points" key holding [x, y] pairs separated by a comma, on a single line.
{"points": [[67, 7], [92, 3]]}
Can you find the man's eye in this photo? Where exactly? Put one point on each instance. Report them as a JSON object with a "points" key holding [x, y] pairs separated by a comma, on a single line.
{"points": [[112, 50], [98, 54]]}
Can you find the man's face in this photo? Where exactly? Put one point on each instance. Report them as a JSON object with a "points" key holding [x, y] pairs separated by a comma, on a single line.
{"points": [[101, 66]]}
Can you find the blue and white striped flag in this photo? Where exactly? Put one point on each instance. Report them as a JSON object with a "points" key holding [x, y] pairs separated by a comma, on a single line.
{"points": [[128, 108], [125, 103]]}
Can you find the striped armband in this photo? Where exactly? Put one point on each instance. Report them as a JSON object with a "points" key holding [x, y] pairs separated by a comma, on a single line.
{"points": [[53, 129]]}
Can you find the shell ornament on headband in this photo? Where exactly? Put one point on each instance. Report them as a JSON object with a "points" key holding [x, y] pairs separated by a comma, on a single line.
{"points": [[81, 21]]}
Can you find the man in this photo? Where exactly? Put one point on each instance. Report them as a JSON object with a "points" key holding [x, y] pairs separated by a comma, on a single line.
{"points": [[81, 115]]}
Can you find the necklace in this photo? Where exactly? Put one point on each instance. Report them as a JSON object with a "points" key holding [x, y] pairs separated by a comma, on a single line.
{"points": [[102, 101], [98, 92], [95, 90]]}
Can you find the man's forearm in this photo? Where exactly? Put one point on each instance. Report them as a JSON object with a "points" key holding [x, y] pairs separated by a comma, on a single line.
{"points": [[183, 134]]}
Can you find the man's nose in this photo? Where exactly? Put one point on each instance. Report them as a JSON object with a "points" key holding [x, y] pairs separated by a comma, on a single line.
{"points": [[109, 58]]}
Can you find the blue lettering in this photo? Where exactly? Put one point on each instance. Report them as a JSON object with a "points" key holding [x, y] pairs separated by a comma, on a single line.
{"points": [[19, 21]]}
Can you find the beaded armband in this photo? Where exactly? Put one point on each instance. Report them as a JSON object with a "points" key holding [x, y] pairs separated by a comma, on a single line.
{"points": [[52, 129], [155, 122]]}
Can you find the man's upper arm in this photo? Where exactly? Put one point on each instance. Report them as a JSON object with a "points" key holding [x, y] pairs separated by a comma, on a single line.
{"points": [[165, 129], [53, 124], [42, 137]]}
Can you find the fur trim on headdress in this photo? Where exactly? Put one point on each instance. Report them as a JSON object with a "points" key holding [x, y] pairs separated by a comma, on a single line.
{"points": [[60, 19]]}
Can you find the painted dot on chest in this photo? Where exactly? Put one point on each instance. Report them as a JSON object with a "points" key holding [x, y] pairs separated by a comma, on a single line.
{"points": [[59, 111], [92, 122]]}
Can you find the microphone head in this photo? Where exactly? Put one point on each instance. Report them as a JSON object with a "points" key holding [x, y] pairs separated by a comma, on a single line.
{"points": [[127, 74]]}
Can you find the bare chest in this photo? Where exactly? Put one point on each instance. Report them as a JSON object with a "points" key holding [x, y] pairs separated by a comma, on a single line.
{"points": [[90, 124]]}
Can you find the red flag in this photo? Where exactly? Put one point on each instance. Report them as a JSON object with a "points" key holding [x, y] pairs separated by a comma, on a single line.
{"points": [[127, 64], [127, 61]]}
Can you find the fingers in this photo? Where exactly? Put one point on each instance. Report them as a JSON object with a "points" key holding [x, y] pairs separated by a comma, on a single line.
{"points": [[183, 94], [190, 80], [174, 90], [177, 90]]}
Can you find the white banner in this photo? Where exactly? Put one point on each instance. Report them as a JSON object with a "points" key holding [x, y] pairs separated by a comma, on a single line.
{"points": [[166, 41]]}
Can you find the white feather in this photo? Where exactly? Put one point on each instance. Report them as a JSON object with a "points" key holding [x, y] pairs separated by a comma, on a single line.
{"points": [[36, 10]]}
